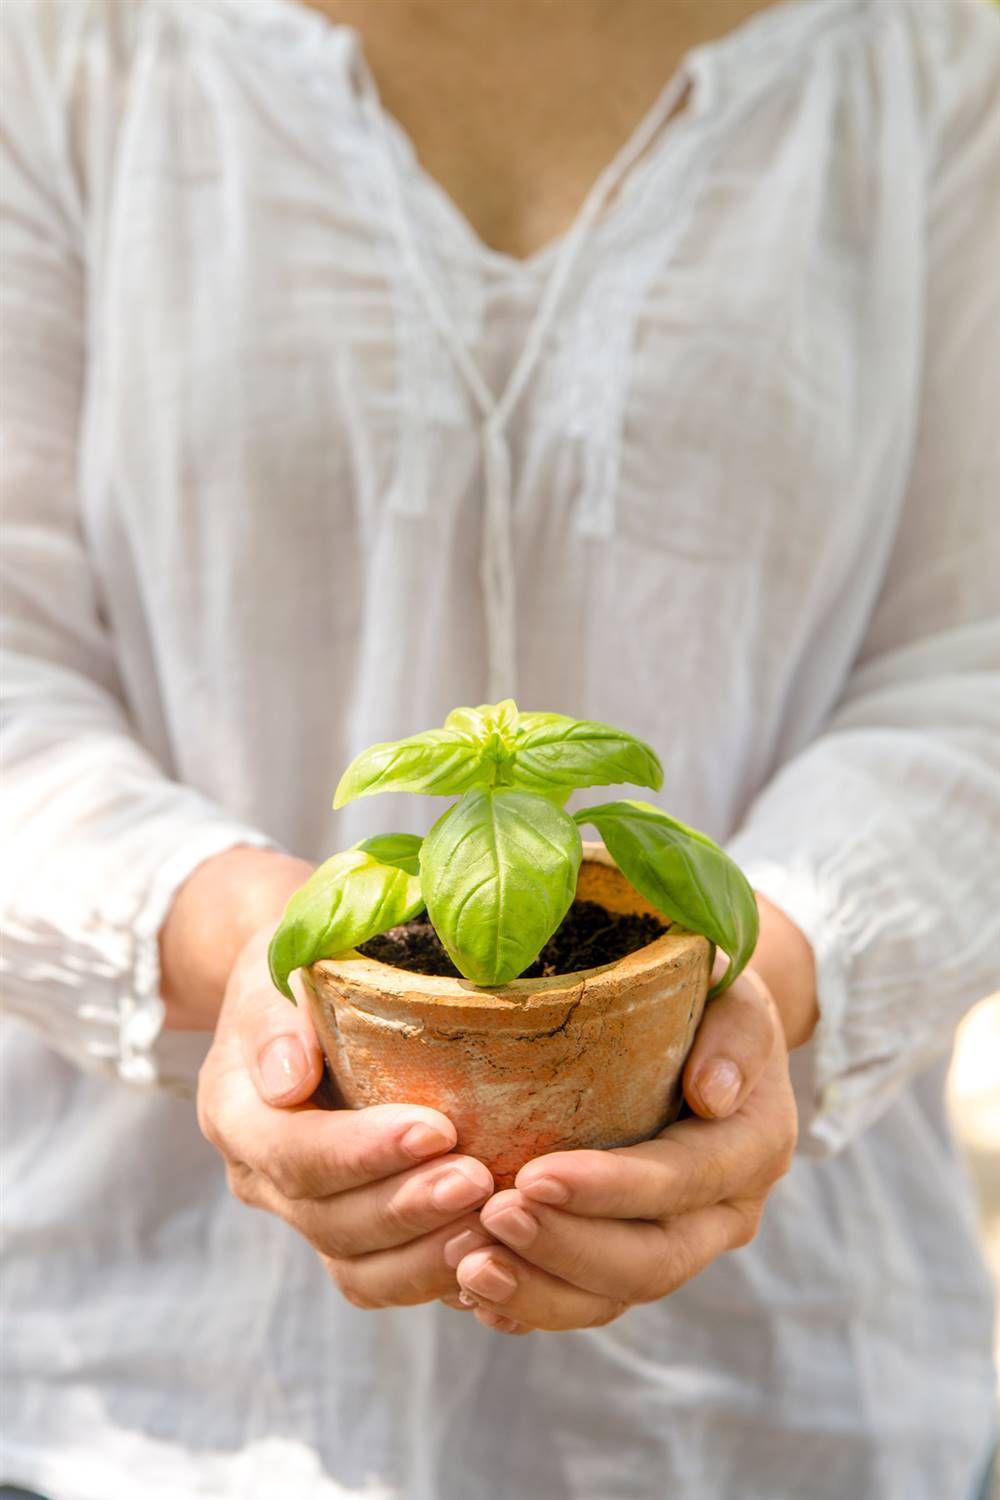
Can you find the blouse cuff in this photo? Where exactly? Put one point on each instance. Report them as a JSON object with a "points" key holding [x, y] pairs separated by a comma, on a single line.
{"points": [[839, 1091], [99, 1004]]}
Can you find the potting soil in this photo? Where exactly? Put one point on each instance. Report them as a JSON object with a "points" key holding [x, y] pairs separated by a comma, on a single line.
{"points": [[588, 936]]}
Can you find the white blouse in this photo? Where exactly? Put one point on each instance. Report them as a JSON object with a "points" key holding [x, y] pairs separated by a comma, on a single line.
{"points": [[295, 463]]}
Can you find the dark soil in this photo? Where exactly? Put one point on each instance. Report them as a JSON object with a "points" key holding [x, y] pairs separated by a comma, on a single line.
{"points": [[588, 936]]}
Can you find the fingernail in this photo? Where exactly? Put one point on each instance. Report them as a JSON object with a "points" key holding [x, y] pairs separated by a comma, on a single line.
{"points": [[422, 1140], [490, 1281], [718, 1085], [467, 1299], [457, 1190], [545, 1190], [513, 1226], [456, 1303], [461, 1245], [283, 1065]]}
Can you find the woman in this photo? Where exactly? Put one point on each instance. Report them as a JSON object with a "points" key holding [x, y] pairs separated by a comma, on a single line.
{"points": [[347, 382]]}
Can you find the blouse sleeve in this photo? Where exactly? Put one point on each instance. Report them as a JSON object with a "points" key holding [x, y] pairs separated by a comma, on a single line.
{"points": [[882, 839], [96, 838]]}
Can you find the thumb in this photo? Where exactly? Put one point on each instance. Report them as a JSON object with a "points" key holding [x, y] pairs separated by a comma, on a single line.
{"points": [[280, 1049], [732, 1046]]}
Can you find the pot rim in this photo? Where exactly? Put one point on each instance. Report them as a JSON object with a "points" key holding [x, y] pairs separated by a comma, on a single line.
{"points": [[371, 974]]}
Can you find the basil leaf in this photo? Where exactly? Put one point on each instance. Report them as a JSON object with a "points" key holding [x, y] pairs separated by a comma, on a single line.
{"points": [[559, 795], [349, 899], [499, 874], [399, 849], [486, 720], [683, 874], [492, 727], [580, 752], [529, 721], [439, 761]]}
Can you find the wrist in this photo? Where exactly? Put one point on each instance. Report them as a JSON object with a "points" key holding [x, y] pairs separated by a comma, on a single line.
{"points": [[785, 961], [219, 907]]}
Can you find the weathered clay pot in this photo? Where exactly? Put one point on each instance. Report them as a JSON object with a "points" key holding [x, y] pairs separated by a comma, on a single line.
{"points": [[586, 1059]]}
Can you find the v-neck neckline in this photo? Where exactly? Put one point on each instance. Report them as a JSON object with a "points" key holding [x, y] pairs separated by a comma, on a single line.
{"points": [[703, 63], [423, 188]]}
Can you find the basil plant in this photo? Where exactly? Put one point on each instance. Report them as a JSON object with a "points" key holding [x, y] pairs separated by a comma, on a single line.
{"points": [[497, 871]]}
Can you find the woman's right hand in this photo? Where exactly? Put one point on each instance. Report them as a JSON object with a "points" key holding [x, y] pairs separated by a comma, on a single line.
{"points": [[379, 1193]]}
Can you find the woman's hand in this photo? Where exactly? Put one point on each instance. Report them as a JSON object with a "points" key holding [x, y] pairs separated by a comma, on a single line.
{"points": [[586, 1234], [223, 902], [377, 1192]]}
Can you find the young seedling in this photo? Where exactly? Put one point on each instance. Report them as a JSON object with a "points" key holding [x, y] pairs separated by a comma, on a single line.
{"points": [[497, 872]]}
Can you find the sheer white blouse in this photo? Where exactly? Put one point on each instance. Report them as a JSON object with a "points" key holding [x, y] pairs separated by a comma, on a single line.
{"points": [[295, 463]]}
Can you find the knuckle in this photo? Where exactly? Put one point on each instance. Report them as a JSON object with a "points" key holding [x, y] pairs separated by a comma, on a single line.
{"points": [[397, 1213], [608, 1314], [369, 1153], [280, 1175], [240, 1180], [702, 1176], [329, 1237], [349, 1287], [678, 1265], [413, 1288], [654, 1285], [575, 1265], [747, 1224], [715, 1174], [404, 1283], [288, 1174], [656, 1278]]}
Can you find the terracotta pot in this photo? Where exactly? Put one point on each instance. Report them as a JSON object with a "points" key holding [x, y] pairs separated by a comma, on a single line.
{"points": [[586, 1059]]}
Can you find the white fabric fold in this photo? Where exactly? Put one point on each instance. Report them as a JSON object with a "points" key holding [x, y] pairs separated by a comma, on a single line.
{"points": [[496, 570], [230, 564]]}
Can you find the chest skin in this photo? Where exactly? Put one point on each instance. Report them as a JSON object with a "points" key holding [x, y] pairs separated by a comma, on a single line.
{"points": [[514, 109]]}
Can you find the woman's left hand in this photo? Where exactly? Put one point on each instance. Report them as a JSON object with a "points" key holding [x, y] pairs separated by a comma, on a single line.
{"points": [[584, 1235]]}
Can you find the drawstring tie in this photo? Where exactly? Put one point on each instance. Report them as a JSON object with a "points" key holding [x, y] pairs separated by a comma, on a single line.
{"points": [[497, 574]]}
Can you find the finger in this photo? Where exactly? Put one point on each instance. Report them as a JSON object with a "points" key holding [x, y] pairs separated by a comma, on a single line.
{"points": [[737, 1035], [313, 1153], [505, 1285], [404, 1276], [691, 1165], [386, 1214], [498, 1324], [456, 1303], [280, 1049], [619, 1259]]}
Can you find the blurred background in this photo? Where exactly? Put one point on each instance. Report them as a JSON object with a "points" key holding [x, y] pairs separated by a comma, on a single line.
{"points": [[974, 1098]]}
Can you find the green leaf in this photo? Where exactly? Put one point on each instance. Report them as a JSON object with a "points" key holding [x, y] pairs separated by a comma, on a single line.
{"points": [[683, 874], [559, 795], [499, 874], [579, 752], [349, 899], [529, 721], [399, 849], [492, 727], [486, 720], [442, 762]]}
